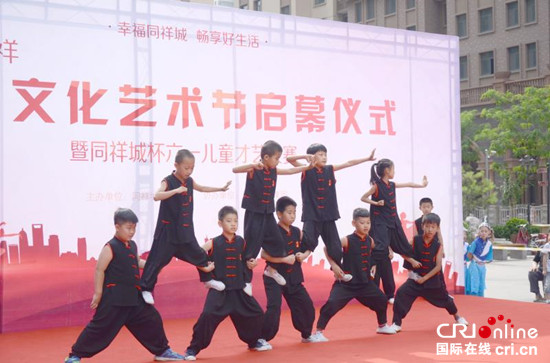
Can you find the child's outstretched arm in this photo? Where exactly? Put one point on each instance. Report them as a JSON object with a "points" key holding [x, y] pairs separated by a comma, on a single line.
{"points": [[293, 159], [289, 260], [298, 169], [337, 270], [204, 189], [103, 261], [423, 184], [435, 270], [245, 168], [366, 197], [162, 193], [354, 162]]}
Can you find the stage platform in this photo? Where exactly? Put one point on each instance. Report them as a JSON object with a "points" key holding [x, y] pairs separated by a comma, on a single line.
{"points": [[351, 333]]}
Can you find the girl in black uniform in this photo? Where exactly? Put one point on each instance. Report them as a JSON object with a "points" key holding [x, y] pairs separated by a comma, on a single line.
{"points": [[386, 226]]}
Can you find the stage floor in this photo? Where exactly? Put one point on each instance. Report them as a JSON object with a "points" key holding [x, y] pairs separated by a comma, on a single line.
{"points": [[351, 333]]}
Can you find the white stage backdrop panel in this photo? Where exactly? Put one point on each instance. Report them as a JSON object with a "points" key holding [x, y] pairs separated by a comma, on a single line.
{"points": [[97, 97]]}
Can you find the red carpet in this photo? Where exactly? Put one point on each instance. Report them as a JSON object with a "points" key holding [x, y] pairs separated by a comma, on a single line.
{"points": [[351, 334]]}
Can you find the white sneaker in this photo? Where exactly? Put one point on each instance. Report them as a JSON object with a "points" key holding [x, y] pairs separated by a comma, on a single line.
{"points": [[391, 301], [319, 337], [261, 346], [346, 278], [386, 329], [396, 327], [148, 297], [311, 339], [271, 272], [215, 284], [462, 321], [248, 289]]}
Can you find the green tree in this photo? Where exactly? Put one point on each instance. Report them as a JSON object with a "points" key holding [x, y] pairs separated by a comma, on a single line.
{"points": [[518, 124], [477, 191], [470, 149]]}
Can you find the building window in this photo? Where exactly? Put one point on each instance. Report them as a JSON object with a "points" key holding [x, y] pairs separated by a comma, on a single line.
{"points": [[318, 2], [285, 10], [486, 20], [389, 7], [258, 5], [463, 68], [461, 26], [513, 59], [411, 4], [512, 14], [530, 11], [487, 63], [411, 27], [531, 50], [370, 9], [358, 12]]}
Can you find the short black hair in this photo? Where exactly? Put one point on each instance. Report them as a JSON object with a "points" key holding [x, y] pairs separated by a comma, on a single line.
{"points": [[225, 211], [431, 218], [360, 213], [270, 148], [425, 200], [314, 148], [284, 202], [124, 215], [184, 154]]}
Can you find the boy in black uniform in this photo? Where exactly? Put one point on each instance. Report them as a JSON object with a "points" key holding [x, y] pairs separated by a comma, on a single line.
{"points": [[425, 280], [260, 227], [320, 207], [174, 233], [290, 267], [357, 249], [118, 301], [226, 251], [426, 206]]}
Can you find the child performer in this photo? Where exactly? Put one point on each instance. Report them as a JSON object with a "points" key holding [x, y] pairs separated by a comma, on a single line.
{"points": [[320, 207], [424, 280], [386, 226], [227, 251], [290, 267], [175, 233], [480, 253], [260, 227], [117, 299], [357, 249]]}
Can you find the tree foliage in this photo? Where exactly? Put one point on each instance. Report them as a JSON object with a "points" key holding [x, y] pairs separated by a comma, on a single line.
{"points": [[517, 126], [477, 191]]}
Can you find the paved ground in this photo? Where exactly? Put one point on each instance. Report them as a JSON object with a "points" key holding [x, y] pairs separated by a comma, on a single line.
{"points": [[508, 279]]}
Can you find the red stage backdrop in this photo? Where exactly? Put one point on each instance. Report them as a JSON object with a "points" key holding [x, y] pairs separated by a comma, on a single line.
{"points": [[97, 97]]}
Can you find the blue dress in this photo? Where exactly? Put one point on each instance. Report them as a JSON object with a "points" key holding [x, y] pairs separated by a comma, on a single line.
{"points": [[482, 252]]}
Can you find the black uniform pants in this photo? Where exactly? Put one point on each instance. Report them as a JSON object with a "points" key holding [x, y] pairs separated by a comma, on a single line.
{"points": [[143, 321], [162, 253], [534, 278], [261, 231], [301, 307], [410, 290], [341, 294], [244, 311], [384, 272], [328, 231], [392, 237]]}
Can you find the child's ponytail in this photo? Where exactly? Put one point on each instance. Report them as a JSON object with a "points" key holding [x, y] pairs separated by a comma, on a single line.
{"points": [[373, 176]]}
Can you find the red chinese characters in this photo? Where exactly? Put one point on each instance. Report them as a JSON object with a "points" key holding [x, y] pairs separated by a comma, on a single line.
{"points": [[186, 109]]}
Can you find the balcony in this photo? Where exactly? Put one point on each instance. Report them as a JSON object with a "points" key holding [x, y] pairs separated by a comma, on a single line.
{"points": [[471, 97]]}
